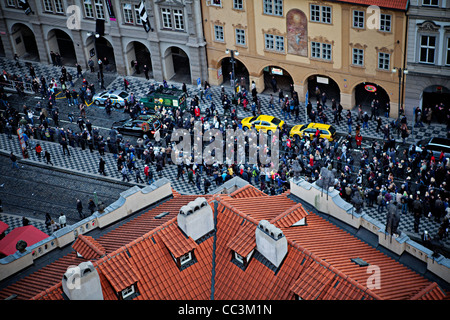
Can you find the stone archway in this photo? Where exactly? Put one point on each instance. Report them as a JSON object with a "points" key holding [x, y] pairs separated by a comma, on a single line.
{"points": [[24, 42], [60, 42], [177, 65], [137, 51]]}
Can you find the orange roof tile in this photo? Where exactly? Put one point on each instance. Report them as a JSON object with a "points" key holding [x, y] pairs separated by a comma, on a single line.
{"points": [[247, 191], [290, 216], [176, 241], [118, 270], [88, 247], [244, 241]]}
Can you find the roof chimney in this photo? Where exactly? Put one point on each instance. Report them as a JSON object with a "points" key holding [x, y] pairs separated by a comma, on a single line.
{"points": [[271, 242], [196, 219], [82, 282]]}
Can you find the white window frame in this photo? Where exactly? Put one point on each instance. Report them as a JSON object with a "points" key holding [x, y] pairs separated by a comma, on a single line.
{"points": [[358, 57], [47, 5], [239, 36], [216, 3], [427, 47], [274, 43], [185, 258], [238, 4], [178, 19], [385, 22], [273, 7], [384, 60], [238, 257], [127, 11], [11, 3], [128, 292], [358, 19], [429, 3], [166, 16], [218, 33], [99, 9], [88, 9], [59, 6], [269, 41]]}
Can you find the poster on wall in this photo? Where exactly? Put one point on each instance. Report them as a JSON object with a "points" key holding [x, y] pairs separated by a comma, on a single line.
{"points": [[297, 32], [219, 73]]}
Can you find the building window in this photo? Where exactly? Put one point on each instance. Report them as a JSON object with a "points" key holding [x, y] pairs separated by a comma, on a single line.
{"points": [[384, 60], [88, 10], [358, 19], [11, 3], [215, 3], [218, 33], [99, 9], [166, 18], [427, 49], [320, 13], [185, 258], [240, 37], [178, 19], [432, 3], [128, 292], [385, 22], [59, 7], [358, 57], [447, 59], [273, 7], [172, 19], [238, 4], [48, 7], [137, 14], [321, 50], [274, 43], [127, 13]]}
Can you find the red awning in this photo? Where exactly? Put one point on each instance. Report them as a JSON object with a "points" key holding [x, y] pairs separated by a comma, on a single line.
{"points": [[29, 234], [3, 227]]}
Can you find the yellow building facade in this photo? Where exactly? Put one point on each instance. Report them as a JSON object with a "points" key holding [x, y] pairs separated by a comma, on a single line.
{"points": [[349, 51]]}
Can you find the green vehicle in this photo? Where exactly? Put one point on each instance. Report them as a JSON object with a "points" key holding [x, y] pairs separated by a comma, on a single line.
{"points": [[164, 97]]}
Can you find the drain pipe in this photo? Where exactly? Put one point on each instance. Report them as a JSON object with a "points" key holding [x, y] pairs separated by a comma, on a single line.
{"points": [[213, 270]]}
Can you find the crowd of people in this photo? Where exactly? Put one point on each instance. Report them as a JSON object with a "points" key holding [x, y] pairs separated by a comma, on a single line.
{"points": [[408, 182]]}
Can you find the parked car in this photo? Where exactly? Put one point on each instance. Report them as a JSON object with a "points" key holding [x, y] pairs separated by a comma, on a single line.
{"points": [[262, 122], [117, 98], [163, 97], [435, 145], [326, 131], [142, 125]]}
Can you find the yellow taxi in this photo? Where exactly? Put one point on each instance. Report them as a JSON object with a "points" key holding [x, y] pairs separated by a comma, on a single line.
{"points": [[262, 122], [302, 130]]}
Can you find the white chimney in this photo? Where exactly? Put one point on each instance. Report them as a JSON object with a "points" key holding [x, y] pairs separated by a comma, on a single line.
{"points": [[271, 242], [196, 219], [82, 282]]}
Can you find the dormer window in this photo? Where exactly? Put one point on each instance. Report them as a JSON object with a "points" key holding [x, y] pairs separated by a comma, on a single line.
{"points": [[128, 293], [185, 260], [241, 261]]}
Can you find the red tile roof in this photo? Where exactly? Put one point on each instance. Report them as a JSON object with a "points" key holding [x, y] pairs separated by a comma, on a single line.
{"points": [[175, 240], [247, 192], [318, 263], [388, 4], [118, 271], [88, 247]]}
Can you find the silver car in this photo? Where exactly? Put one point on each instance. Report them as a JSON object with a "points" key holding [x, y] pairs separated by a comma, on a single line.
{"points": [[117, 98]]}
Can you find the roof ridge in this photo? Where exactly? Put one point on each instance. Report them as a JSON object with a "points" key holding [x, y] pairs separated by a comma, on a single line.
{"points": [[96, 246], [288, 212]]}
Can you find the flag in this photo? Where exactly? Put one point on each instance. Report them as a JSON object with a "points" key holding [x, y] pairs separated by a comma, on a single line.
{"points": [[110, 8], [25, 6], [144, 17]]}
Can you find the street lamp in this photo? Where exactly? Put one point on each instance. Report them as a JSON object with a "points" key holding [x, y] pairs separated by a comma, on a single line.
{"points": [[400, 73], [233, 61]]}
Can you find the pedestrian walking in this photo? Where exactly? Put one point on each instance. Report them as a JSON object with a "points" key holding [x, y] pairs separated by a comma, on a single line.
{"points": [[101, 166], [91, 206], [13, 158], [124, 172], [47, 157], [62, 220], [80, 208], [65, 147], [38, 150]]}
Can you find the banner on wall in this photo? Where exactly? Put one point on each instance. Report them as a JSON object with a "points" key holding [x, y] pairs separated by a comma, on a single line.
{"points": [[144, 17], [110, 8]]}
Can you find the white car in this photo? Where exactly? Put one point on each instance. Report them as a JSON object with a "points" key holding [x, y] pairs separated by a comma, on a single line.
{"points": [[117, 98]]}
